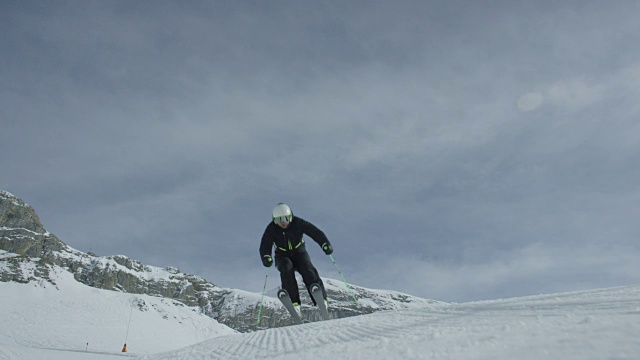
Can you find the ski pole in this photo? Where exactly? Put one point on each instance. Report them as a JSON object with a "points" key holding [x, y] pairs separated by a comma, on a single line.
{"points": [[266, 275], [345, 281]]}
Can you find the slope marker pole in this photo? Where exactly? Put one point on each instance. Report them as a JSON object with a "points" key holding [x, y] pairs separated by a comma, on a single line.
{"points": [[124, 348]]}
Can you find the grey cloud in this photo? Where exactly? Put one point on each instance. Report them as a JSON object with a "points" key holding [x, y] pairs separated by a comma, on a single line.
{"points": [[396, 129]]}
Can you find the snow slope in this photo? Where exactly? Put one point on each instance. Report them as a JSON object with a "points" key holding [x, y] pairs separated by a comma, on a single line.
{"points": [[70, 316], [597, 324], [600, 324]]}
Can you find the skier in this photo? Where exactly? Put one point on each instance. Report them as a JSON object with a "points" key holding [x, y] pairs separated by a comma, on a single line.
{"points": [[285, 232]]}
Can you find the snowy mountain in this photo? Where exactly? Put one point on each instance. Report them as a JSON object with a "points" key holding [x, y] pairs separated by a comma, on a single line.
{"points": [[33, 255]]}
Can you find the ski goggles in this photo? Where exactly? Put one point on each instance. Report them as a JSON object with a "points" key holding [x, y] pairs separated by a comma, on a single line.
{"points": [[282, 219]]}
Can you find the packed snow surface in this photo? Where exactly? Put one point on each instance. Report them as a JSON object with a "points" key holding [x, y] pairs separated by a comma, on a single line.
{"points": [[597, 324]]}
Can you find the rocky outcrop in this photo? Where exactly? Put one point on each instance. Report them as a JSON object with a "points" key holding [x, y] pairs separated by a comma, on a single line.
{"points": [[14, 213]]}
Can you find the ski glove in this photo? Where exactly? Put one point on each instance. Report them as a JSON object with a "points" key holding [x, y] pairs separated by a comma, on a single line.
{"points": [[267, 260], [327, 248]]}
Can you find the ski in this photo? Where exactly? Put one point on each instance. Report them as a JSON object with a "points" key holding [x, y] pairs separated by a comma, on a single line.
{"points": [[283, 295], [316, 292]]}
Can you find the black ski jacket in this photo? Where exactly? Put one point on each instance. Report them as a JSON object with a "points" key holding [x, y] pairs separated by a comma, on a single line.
{"points": [[290, 241]]}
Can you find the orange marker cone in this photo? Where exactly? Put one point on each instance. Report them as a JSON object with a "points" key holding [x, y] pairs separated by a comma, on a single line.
{"points": [[124, 348]]}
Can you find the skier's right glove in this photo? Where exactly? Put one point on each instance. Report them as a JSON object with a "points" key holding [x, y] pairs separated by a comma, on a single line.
{"points": [[267, 260], [327, 248]]}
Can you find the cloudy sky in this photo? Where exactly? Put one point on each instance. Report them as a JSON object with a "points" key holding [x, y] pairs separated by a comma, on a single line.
{"points": [[454, 150]]}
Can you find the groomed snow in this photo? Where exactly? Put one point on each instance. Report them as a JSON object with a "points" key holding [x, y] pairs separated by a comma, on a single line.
{"points": [[601, 324], [597, 324]]}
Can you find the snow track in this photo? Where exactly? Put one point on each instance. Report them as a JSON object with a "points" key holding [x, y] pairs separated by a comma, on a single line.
{"points": [[600, 324]]}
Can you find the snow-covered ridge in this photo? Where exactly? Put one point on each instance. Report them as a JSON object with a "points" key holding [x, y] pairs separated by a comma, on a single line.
{"points": [[4, 228]]}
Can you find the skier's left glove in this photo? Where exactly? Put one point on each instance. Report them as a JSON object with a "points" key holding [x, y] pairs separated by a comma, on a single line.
{"points": [[327, 248], [267, 260]]}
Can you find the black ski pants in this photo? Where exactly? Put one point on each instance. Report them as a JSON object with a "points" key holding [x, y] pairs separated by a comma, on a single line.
{"points": [[301, 262]]}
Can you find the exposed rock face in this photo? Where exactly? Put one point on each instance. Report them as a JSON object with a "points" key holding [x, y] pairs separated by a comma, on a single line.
{"points": [[28, 253], [20, 229], [14, 213]]}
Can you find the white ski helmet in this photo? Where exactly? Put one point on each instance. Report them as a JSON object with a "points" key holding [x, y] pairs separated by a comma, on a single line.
{"points": [[282, 211]]}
